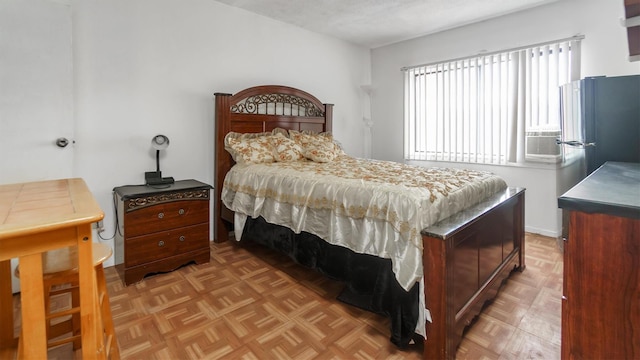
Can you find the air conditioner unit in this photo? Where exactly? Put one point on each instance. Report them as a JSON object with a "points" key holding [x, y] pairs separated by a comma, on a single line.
{"points": [[542, 147]]}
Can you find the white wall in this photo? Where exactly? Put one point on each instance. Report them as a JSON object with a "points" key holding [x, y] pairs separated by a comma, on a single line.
{"points": [[35, 68], [604, 52], [148, 67]]}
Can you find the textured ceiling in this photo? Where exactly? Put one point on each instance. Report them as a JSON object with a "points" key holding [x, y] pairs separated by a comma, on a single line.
{"points": [[374, 23]]}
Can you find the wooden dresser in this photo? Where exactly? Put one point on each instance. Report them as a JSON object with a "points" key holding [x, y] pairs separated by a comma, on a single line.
{"points": [[601, 300], [161, 229]]}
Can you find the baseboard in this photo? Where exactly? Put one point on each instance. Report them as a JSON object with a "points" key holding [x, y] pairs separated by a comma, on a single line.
{"points": [[543, 232]]}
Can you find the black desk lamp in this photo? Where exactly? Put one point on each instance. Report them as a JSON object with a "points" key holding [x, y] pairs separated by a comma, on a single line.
{"points": [[159, 142]]}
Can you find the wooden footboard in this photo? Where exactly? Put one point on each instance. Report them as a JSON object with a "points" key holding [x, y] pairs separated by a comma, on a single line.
{"points": [[466, 259]]}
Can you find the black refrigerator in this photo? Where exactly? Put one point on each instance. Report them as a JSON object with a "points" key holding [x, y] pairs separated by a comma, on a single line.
{"points": [[601, 116]]}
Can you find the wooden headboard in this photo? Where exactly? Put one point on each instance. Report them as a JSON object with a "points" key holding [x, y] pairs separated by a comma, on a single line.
{"points": [[259, 109]]}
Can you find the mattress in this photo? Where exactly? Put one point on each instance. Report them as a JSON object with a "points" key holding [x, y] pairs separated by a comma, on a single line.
{"points": [[369, 206]]}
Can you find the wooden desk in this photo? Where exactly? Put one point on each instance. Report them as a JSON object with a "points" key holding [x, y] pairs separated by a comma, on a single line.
{"points": [[36, 217]]}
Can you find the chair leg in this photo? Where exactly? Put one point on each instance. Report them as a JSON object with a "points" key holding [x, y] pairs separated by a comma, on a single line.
{"points": [[75, 318], [111, 343], [20, 346], [47, 305]]}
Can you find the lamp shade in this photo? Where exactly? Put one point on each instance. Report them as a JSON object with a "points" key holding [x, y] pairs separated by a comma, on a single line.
{"points": [[160, 142]]}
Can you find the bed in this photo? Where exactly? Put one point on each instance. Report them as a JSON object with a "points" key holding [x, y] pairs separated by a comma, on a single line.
{"points": [[463, 253]]}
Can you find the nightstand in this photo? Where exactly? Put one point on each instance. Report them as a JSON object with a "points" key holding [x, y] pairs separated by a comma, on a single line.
{"points": [[161, 228]]}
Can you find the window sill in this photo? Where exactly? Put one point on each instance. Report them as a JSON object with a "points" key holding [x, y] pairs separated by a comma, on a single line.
{"points": [[568, 160]]}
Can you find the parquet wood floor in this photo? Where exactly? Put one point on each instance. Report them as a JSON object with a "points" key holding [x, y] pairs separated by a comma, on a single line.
{"points": [[252, 303]]}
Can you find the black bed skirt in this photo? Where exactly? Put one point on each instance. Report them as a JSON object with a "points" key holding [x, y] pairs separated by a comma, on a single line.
{"points": [[369, 281]]}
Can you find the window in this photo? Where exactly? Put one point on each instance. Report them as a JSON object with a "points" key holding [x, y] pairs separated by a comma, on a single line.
{"points": [[494, 108]]}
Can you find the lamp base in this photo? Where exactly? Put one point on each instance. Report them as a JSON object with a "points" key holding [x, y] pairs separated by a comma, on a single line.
{"points": [[155, 178]]}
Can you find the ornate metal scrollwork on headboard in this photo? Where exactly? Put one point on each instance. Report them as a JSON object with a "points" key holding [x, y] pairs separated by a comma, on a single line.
{"points": [[277, 104]]}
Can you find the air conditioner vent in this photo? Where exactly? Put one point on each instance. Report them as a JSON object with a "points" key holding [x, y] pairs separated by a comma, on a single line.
{"points": [[541, 146]]}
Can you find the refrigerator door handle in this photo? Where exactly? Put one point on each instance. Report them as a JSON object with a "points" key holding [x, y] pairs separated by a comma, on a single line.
{"points": [[575, 143]]}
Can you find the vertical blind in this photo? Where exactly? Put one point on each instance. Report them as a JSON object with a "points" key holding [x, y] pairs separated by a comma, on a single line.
{"points": [[477, 109]]}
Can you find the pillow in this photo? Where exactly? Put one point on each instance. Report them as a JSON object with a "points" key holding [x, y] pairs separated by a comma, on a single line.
{"points": [[282, 131], [320, 150], [318, 147], [250, 149], [285, 149], [338, 148]]}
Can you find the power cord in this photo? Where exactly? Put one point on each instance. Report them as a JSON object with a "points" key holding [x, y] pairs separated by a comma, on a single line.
{"points": [[116, 223]]}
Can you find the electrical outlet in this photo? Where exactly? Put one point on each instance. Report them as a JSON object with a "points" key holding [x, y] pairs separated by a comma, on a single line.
{"points": [[100, 226]]}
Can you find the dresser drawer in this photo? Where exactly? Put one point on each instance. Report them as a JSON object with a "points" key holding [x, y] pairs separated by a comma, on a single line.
{"points": [[163, 244], [164, 216]]}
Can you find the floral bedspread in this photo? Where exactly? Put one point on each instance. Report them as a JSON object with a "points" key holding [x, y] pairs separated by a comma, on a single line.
{"points": [[372, 207]]}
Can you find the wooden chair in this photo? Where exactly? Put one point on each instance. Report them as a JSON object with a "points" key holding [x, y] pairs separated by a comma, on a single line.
{"points": [[60, 276]]}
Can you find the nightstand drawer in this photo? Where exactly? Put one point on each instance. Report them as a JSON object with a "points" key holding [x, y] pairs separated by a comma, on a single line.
{"points": [[163, 244], [164, 216]]}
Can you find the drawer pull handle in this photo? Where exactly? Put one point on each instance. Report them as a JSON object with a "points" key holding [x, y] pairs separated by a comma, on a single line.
{"points": [[181, 211], [181, 238], [161, 243], [160, 215]]}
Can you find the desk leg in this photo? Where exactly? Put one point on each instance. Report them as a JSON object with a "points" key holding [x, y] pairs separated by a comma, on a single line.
{"points": [[92, 339], [6, 306], [32, 300]]}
